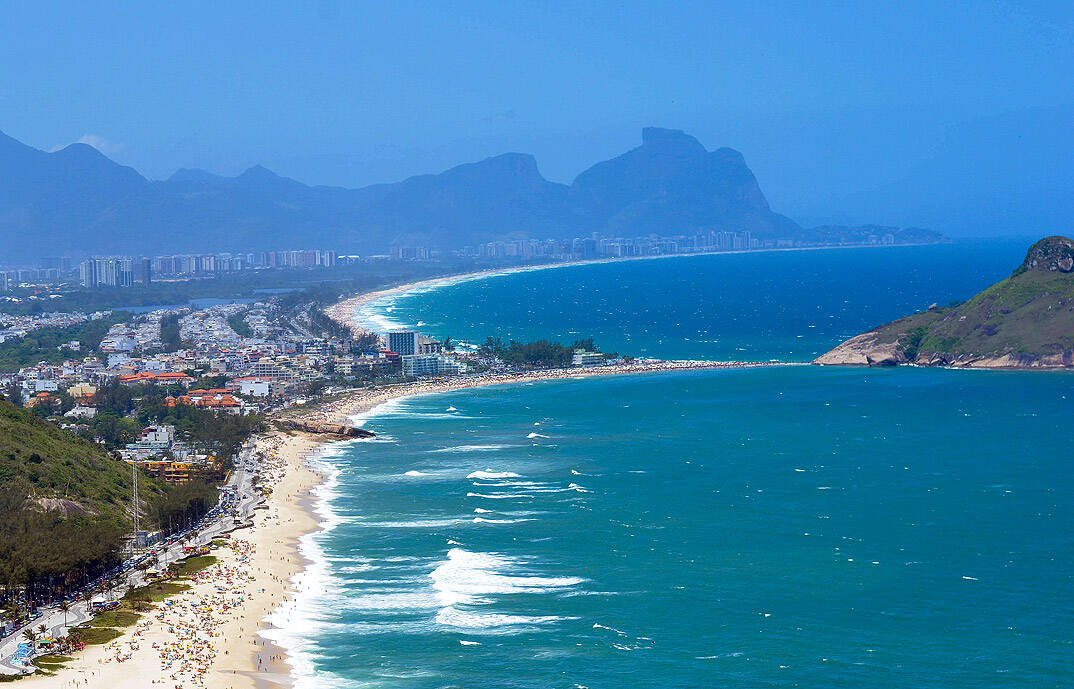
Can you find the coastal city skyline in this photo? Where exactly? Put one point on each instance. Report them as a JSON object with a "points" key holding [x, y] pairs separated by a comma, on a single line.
{"points": [[557, 345]]}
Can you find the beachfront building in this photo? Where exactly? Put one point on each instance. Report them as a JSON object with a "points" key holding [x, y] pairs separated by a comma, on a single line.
{"points": [[417, 365], [583, 358], [403, 342]]}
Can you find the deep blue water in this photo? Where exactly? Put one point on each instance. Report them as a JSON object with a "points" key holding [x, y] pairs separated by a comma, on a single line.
{"points": [[792, 527], [790, 305]]}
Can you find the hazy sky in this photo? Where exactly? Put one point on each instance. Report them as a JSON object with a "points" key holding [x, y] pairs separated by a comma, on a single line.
{"points": [[827, 100]]}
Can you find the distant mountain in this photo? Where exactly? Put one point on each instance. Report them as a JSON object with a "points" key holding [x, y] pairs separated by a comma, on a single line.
{"points": [[48, 199], [78, 201], [671, 184], [1025, 321]]}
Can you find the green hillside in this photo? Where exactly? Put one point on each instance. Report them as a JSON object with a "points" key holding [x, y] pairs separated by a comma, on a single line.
{"points": [[61, 471], [1026, 320], [65, 509]]}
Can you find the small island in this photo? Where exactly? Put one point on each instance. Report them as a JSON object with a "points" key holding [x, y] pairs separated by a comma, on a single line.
{"points": [[1025, 321]]}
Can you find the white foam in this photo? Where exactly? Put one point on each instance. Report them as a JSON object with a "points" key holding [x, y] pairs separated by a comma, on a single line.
{"points": [[501, 496], [468, 578], [464, 577], [307, 608], [536, 435], [415, 473], [483, 520], [489, 474]]}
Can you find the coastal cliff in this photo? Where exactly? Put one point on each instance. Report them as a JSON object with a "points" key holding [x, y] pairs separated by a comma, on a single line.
{"points": [[325, 428], [1025, 321]]}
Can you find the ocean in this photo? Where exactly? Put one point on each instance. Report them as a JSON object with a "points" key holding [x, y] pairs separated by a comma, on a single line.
{"points": [[797, 527]]}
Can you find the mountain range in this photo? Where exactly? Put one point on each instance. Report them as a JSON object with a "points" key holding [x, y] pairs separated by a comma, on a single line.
{"points": [[78, 201]]}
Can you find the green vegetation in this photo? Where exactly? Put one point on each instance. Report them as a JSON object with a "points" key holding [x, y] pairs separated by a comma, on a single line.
{"points": [[909, 345], [539, 354], [169, 333], [49, 664], [44, 344], [93, 636], [239, 325], [193, 565], [115, 618], [47, 462], [220, 435], [181, 505], [64, 509], [1026, 319], [159, 591]]}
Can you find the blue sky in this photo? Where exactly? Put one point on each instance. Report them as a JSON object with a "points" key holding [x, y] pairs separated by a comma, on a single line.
{"points": [[829, 101]]}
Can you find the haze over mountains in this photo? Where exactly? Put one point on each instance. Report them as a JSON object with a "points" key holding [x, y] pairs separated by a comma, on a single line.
{"points": [[78, 201]]}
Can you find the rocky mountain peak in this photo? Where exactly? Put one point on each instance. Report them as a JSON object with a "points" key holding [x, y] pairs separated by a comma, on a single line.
{"points": [[1054, 253]]}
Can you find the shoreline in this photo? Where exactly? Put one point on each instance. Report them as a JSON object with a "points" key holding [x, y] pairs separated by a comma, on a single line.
{"points": [[346, 311], [366, 402], [212, 635], [223, 633], [362, 401], [231, 641]]}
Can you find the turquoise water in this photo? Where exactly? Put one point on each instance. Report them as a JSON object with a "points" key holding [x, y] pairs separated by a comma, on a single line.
{"points": [[798, 527]]}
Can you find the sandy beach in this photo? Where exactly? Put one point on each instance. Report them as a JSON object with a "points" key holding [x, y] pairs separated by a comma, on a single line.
{"points": [[207, 636]]}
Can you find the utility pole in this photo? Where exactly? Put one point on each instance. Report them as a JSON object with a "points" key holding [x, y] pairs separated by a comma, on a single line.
{"points": [[134, 500]]}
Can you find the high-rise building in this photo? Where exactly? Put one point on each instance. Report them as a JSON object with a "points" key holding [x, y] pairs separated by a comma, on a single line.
{"points": [[109, 272], [143, 271], [87, 273], [403, 342]]}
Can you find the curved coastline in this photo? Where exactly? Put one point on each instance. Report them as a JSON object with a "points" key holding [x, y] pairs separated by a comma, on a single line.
{"points": [[358, 406], [346, 311], [298, 606]]}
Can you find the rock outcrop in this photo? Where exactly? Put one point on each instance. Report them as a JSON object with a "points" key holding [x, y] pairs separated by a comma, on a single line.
{"points": [[338, 430], [863, 350], [1051, 254]]}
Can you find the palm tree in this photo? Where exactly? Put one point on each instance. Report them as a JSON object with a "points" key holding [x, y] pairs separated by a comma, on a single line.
{"points": [[30, 635], [15, 613], [73, 637], [64, 607]]}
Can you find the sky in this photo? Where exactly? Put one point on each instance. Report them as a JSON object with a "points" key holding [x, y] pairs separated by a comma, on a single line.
{"points": [[837, 106]]}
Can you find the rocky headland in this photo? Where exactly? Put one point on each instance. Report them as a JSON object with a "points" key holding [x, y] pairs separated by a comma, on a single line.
{"points": [[1023, 322]]}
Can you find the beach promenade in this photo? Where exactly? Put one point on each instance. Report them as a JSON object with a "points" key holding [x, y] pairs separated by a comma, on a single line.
{"points": [[207, 635]]}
